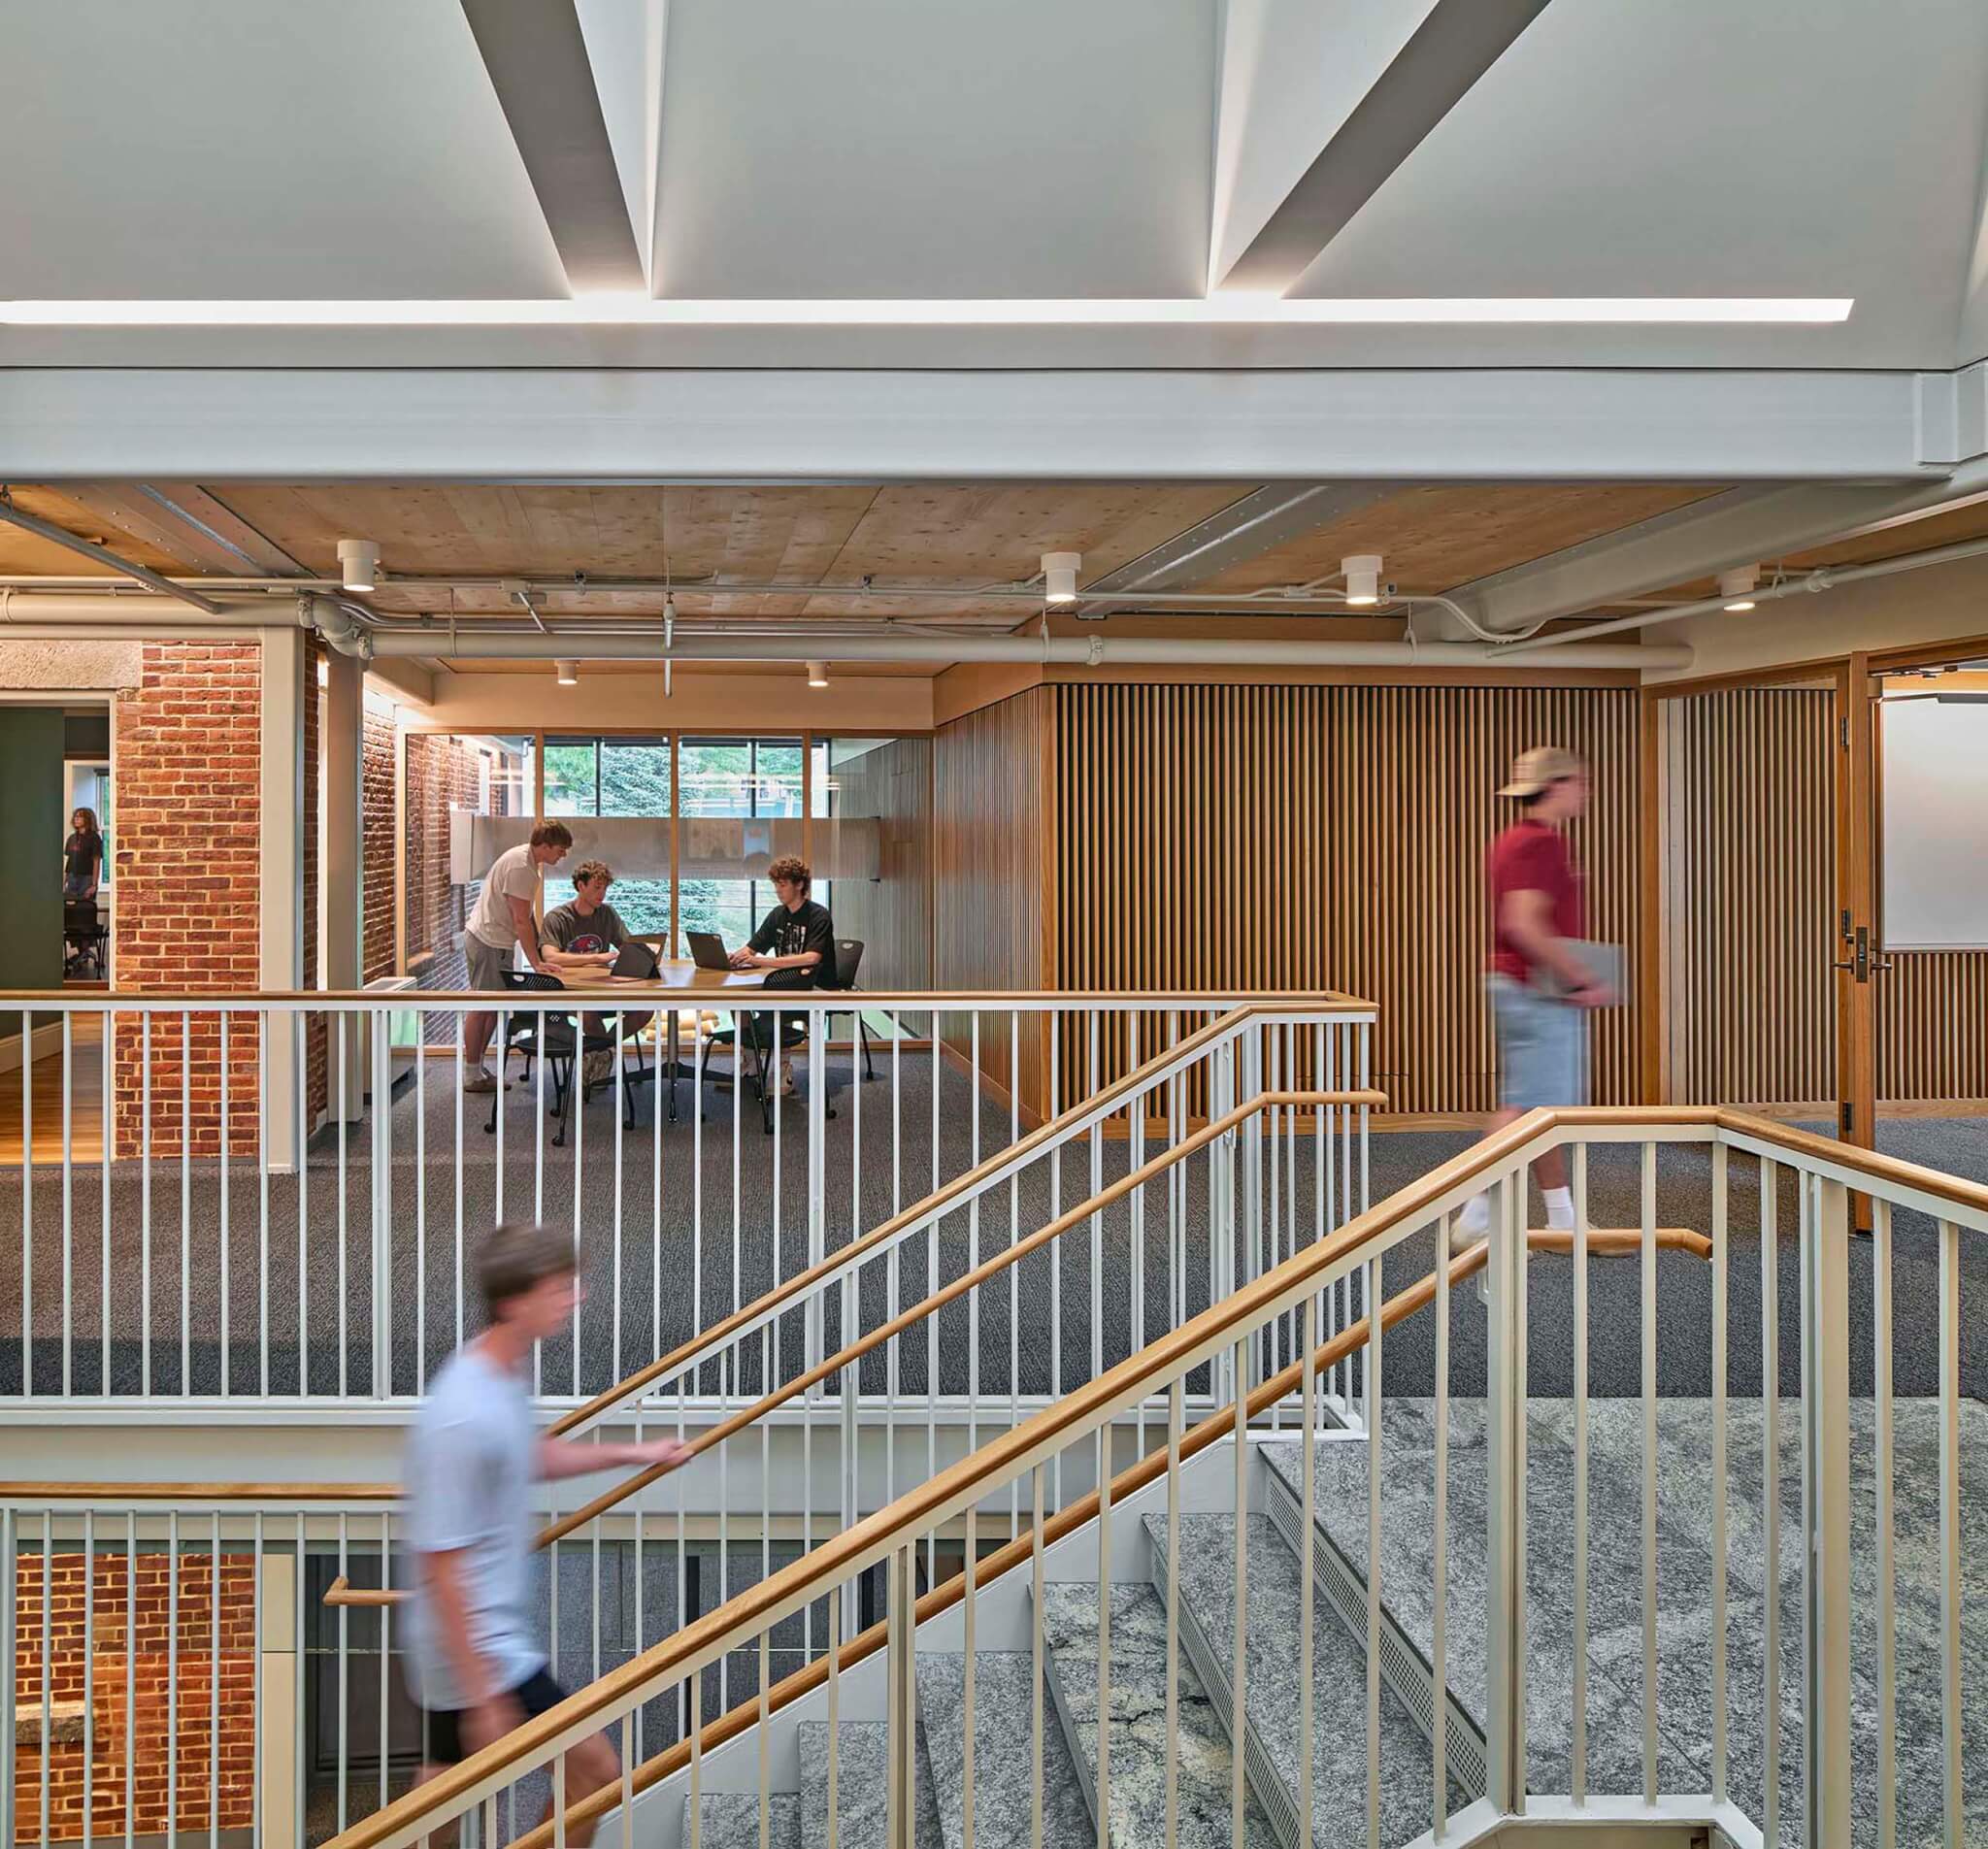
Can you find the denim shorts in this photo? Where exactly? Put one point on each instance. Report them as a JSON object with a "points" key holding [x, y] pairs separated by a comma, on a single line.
{"points": [[1542, 1046]]}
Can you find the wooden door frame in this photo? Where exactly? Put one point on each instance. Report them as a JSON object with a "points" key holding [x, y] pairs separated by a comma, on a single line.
{"points": [[1853, 677]]}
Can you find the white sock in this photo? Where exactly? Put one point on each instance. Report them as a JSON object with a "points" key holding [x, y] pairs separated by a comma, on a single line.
{"points": [[1560, 1207], [1476, 1218]]}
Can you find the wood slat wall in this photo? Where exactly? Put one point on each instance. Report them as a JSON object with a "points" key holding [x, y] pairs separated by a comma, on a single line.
{"points": [[991, 807], [1304, 837], [1750, 896], [1932, 1026]]}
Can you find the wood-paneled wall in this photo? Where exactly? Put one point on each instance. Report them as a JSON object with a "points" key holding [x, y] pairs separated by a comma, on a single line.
{"points": [[1933, 1027], [992, 798], [1248, 837], [892, 914], [1750, 895]]}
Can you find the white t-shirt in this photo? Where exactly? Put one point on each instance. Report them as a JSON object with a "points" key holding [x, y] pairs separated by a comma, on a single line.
{"points": [[512, 875], [468, 1473]]}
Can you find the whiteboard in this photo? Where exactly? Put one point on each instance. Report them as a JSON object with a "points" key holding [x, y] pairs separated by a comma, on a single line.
{"points": [[1934, 842]]}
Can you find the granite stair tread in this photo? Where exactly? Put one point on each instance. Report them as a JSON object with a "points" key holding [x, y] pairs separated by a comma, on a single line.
{"points": [[1272, 1683], [1615, 1705], [1138, 1721], [730, 1820], [862, 1788], [1684, 1605], [1003, 1755]]}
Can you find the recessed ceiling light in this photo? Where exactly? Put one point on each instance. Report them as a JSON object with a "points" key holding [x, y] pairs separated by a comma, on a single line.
{"points": [[1217, 310], [1362, 573], [1059, 576], [568, 673], [1737, 586], [817, 674]]}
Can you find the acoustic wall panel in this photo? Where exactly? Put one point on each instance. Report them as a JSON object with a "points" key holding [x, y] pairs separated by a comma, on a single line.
{"points": [[1750, 891], [1235, 837]]}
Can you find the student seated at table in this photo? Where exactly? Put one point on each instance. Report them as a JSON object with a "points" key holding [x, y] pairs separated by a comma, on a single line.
{"points": [[795, 944], [579, 940]]}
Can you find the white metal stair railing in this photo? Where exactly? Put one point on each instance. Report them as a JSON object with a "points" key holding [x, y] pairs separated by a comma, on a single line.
{"points": [[1106, 1549], [651, 1514], [150, 1272]]}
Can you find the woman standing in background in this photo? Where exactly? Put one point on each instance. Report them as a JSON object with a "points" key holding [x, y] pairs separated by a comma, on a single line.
{"points": [[83, 856]]}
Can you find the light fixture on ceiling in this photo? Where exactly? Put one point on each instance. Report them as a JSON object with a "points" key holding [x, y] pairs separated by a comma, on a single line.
{"points": [[358, 564], [1059, 576], [1238, 307], [1737, 586], [568, 673], [817, 674], [1362, 573]]}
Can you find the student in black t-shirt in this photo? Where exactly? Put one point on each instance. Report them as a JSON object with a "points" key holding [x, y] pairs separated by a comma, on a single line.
{"points": [[795, 944]]}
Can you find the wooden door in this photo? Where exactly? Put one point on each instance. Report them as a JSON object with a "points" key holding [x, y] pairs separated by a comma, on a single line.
{"points": [[1859, 967]]}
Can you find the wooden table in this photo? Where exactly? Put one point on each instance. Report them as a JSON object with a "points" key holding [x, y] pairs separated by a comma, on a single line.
{"points": [[673, 977]]}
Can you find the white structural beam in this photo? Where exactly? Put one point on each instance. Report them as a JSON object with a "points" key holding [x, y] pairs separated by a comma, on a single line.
{"points": [[626, 424], [1452, 46], [342, 892], [537, 57], [280, 888]]}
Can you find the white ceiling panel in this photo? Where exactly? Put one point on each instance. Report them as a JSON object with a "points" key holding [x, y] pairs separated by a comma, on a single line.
{"points": [[293, 148], [908, 149], [1786, 147]]}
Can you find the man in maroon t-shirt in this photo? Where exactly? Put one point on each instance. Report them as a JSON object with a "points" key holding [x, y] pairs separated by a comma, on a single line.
{"points": [[1538, 987]]}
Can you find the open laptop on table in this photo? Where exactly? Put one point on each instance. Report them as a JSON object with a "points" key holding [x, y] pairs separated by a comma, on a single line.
{"points": [[707, 949], [635, 958]]}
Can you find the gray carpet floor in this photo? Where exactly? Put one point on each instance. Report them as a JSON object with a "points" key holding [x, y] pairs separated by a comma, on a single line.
{"points": [[665, 1251]]}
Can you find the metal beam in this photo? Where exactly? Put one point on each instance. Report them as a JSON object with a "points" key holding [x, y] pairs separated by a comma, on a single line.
{"points": [[1244, 530], [643, 424], [89, 549], [535, 55], [1454, 47], [1741, 527], [211, 540]]}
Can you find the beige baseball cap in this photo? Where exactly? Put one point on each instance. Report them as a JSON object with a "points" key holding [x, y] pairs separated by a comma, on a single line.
{"points": [[1533, 771]]}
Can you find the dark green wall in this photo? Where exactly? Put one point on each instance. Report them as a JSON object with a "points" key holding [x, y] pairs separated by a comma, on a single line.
{"points": [[32, 826]]}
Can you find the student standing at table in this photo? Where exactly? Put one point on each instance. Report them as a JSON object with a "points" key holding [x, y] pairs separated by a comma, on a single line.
{"points": [[502, 924], [795, 944]]}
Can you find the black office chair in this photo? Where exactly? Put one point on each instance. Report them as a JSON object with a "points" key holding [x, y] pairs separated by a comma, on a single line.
{"points": [[558, 1040], [82, 937], [848, 959]]}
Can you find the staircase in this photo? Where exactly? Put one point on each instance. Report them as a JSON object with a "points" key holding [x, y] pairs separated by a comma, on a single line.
{"points": [[1135, 1712]]}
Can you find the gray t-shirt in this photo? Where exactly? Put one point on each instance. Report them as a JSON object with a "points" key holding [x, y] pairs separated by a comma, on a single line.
{"points": [[468, 1475], [601, 929]]}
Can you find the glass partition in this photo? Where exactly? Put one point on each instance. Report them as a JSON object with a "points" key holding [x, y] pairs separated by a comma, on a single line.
{"points": [[739, 808]]}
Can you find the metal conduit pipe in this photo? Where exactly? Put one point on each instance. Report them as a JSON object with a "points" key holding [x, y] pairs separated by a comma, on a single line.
{"points": [[46, 616], [1075, 650], [1825, 579]]}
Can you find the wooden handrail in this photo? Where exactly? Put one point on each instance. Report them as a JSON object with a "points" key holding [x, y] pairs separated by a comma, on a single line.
{"points": [[917, 1312], [842, 1556], [915, 1001], [1015, 1155], [1015, 1552]]}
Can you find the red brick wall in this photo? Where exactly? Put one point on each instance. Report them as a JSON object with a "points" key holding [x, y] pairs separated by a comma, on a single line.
{"points": [[161, 1704], [442, 775], [188, 870], [377, 955]]}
